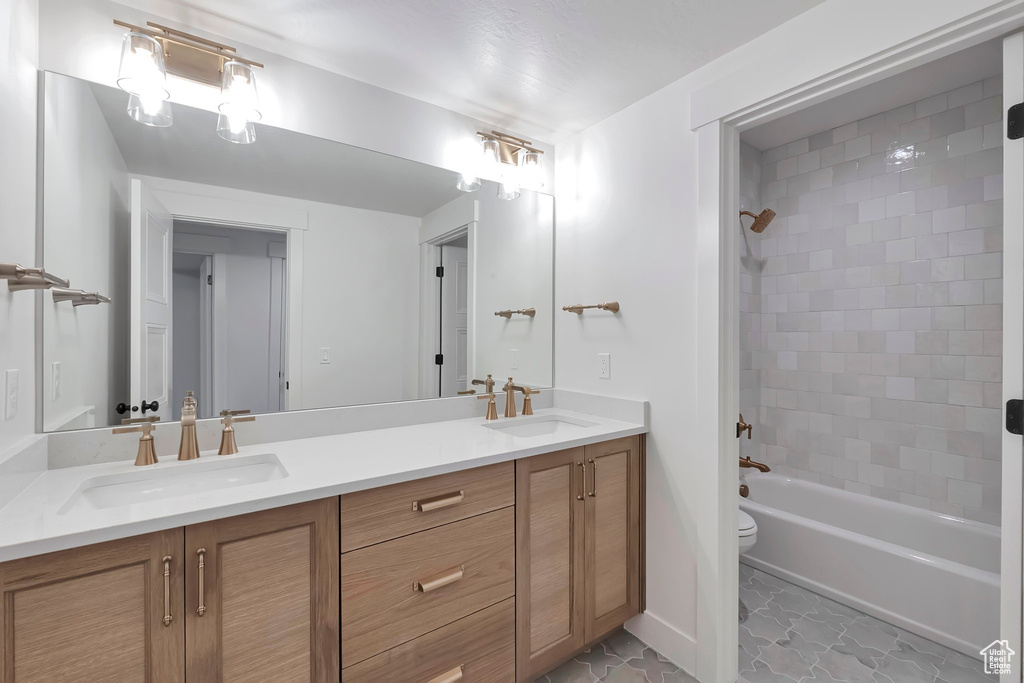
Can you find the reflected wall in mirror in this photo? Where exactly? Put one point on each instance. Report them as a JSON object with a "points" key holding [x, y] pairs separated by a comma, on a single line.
{"points": [[290, 274]]}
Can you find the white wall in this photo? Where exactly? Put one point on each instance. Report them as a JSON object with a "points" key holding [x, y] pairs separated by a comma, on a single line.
{"points": [[86, 239], [512, 263], [627, 214], [18, 23]]}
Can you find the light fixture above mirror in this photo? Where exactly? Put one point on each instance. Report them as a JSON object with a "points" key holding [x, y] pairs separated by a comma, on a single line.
{"points": [[509, 160], [149, 54]]}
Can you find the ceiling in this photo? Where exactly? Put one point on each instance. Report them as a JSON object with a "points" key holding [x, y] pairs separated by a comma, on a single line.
{"points": [[544, 68], [280, 162], [948, 73]]}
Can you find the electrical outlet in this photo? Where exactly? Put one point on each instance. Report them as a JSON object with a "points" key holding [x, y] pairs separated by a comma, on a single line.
{"points": [[55, 381], [604, 365], [325, 355], [515, 359], [11, 395]]}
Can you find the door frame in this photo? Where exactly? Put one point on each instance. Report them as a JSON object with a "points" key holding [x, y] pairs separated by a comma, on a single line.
{"points": [[718, 314], [186, 204], [430, 299]]}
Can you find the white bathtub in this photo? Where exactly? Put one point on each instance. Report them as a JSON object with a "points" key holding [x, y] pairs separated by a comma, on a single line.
{"points": [[934, 575]]}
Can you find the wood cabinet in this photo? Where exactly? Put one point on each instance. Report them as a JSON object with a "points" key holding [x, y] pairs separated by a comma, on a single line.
{"points": [[262, 596], [106, 612], [578, 530]]}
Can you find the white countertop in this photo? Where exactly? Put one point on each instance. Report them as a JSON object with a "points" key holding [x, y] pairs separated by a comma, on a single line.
{"points": [[33, 522]]}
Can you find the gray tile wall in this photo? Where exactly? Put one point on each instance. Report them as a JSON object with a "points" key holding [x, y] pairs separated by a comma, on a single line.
{"points": [[878, 336]]}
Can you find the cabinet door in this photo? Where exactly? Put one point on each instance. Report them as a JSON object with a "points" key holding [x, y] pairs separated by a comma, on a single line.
{"points": [[262, 596], [549, 560], [612, 534], [106, 612]]}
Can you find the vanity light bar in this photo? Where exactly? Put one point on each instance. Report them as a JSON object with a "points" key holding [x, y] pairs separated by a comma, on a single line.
{"points": [[509, 146], [190, 56]]}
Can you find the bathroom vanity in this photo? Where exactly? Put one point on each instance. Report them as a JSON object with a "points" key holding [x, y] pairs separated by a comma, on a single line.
{"points": [[490, 557]]}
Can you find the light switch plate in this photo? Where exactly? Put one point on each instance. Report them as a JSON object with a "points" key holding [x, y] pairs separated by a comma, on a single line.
{"points": [[515, 359], [325, 355], [604, 366], [10, 394], [55, 381]]}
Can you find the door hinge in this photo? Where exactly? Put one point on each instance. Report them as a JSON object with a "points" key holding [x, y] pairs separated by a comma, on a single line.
{"points": [[439, 359], [1015, 122], [287, 385], [209, 279], [1015, 416], [439, 271]]}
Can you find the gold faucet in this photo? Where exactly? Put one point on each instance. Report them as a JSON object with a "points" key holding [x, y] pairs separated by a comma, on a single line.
{"points": [[747, 462], [147, 452], [228, 445], [189, 447], [488, 384]]}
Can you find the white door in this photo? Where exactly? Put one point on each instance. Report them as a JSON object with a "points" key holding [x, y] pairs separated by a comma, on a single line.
{"points": [[151, 240], [1013, 358], [454, 326]]}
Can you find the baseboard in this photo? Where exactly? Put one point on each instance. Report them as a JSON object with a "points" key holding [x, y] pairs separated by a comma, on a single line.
{"points": [[676, 646]]}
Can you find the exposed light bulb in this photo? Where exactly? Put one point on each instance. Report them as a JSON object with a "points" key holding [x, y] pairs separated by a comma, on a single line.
{"points": [[143, 75], [531, 173]]}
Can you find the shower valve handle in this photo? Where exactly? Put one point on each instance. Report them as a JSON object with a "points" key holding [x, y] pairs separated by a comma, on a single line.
{"points": [[742, 426]]}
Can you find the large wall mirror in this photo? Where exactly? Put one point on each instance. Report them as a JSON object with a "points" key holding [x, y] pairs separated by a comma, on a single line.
{"points": [[288, 274]]}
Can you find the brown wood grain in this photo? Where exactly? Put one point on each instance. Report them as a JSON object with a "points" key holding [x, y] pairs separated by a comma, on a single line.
{"points": [[271, 597], [380, 608], [381, 514], [612, 535], [549, 561], [94, 613], [483, 644]]}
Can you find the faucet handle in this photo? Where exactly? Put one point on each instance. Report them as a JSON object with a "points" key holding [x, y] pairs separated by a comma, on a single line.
{"points": [[228, 445], [527, 403], [147, 452], [492, 407]]}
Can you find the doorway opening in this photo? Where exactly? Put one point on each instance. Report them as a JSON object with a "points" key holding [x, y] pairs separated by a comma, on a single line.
{"points": [[453, 316], [229, 334]]}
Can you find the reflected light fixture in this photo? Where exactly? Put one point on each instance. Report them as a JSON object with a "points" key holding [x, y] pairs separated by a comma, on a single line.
{"points": [[511, 161], [149, 53]]}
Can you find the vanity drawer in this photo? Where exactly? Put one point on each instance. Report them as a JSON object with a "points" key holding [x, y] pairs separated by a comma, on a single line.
{"points": [[482, 644], [380, 514], [396, 591]]}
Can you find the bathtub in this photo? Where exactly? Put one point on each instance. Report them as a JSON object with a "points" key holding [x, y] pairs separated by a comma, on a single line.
{"points": [[931, 574]]}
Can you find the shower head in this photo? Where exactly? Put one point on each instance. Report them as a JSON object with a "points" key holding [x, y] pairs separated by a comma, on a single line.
{"points": [[760, 221]]}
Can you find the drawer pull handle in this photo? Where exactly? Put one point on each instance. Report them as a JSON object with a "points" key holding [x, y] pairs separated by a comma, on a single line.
{"points": [[201, 610], [453, 676], [167, 591], [438, 502], [593, 473], [439, 581]]}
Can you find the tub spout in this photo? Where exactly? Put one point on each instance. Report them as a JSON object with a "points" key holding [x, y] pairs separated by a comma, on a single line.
{"points": [[760, 466]]}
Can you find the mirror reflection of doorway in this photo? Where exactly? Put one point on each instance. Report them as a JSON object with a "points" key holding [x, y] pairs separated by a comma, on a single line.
{"points": [[229, 318], [454, 317]]}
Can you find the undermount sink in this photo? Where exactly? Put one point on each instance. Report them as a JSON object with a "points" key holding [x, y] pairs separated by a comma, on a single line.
{"points": [[540, 425], [146, 485]]}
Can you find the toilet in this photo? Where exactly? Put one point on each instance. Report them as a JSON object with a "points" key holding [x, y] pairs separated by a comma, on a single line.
{"points": [[747, 532]]}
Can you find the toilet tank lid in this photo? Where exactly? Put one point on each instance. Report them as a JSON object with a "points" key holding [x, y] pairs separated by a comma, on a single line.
{"points": [[746, 522]]}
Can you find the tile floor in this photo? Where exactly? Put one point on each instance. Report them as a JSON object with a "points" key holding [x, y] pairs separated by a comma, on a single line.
{"points": [[790, 634], [621, 658]]}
